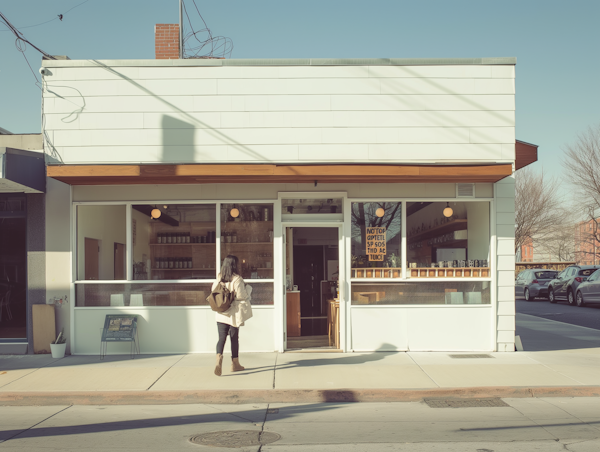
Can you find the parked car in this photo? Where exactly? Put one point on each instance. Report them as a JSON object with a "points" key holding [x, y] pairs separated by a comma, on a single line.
{"points": [[534, 283], [566, 283], [589, 291]]}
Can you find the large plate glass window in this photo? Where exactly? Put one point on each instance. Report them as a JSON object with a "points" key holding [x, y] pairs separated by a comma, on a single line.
{"points": [[376, 239], [421, 293], [448, 239], [247, 232], [174, 241], [101, 242]]}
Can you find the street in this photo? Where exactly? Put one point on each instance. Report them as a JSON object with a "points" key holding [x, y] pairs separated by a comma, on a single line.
{"points": [[588, 316], [523, 424]]}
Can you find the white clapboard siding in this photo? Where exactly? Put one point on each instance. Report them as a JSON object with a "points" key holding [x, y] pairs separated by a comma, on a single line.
{"points": [[462, 113], [431, 71], [430, 102]]}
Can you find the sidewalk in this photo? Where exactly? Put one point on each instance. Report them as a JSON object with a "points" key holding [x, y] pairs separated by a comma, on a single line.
{"points": [[564, 361]]}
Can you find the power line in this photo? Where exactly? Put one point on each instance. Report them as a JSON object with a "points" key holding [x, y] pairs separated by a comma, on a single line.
{"points": [[21, 37], [211, 47], [58, 16]]}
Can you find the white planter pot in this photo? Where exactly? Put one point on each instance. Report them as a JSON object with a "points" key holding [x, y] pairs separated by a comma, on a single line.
{"points": [[58, 350]]}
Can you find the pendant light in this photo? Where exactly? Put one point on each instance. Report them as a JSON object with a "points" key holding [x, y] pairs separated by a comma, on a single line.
{"points": [[448, 211], [235, 212], [380, 212], [155, 213]]}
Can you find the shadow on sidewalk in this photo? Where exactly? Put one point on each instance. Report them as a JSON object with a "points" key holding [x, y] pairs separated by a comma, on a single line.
{"points": [[324, 359], [249, 419]]}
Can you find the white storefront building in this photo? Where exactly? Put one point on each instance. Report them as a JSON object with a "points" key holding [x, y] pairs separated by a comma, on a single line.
{"points": [[331, 175]]}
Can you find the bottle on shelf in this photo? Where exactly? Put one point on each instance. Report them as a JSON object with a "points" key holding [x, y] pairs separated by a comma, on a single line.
{"points": [[187, 237], [159, 238], [169, 237]]}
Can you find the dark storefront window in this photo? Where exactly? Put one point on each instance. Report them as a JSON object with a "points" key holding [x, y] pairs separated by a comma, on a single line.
{"points": [[13, 267]]}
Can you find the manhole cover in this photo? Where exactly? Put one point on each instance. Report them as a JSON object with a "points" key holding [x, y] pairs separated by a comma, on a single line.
{"points": [[466, 403], [235, 438], [470, 356]]}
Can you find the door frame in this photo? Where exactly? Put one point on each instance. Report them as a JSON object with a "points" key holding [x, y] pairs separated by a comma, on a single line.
{"points": [[342, 272]]}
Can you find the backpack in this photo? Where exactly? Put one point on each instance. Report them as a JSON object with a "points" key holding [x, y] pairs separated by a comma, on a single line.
{"points": [[220, 298]]}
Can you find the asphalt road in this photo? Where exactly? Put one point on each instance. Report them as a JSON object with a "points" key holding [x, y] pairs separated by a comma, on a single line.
{"points": [[588, 316], [519, 425]]}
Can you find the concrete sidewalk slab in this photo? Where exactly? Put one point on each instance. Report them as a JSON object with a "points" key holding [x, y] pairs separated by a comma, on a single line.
{"points": [[196, 372], [356, 370], [492, 375], [307, 377]]}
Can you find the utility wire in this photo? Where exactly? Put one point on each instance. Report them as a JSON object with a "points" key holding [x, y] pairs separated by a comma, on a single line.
{"points": [[58, 16], [21, 37]]}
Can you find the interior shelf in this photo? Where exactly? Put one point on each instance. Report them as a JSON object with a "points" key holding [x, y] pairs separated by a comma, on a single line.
{"points": [[456, 225]]}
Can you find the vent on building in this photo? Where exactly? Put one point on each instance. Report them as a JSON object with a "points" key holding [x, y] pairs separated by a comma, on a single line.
{"points": [[465, 190]]}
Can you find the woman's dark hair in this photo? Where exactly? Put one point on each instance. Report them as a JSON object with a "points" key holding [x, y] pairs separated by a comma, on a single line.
{"points": [[229, 268]]}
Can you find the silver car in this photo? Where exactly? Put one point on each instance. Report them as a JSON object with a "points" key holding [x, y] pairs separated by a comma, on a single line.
{"points": [[534, 283], [589, 290]]}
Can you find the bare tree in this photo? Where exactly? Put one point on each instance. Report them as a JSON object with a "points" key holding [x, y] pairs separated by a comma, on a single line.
{"points": [[559, 245], [582, 171], [538, 207]]}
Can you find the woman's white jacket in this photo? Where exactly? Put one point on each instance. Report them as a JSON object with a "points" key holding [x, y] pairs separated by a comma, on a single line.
{"points": [[241, 309]]}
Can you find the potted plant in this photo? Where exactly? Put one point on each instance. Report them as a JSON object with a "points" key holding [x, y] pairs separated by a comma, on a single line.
{"points": [[59, 345]]}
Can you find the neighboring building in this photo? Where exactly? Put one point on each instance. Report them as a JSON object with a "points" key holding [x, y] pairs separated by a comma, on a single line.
{"points": [[22, 238], [586, 243], [526, 252], [331, 175]]}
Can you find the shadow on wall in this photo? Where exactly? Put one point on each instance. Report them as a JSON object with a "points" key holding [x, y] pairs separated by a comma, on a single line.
{"points": [[177, 140]]}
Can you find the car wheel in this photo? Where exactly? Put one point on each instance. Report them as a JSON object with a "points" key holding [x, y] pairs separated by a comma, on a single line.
{"points": [[579, 300], [551, 297], [527, 296], [571, 297]]}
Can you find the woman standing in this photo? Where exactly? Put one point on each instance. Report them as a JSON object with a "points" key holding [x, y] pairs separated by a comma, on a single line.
{"points": [[230, 321]]}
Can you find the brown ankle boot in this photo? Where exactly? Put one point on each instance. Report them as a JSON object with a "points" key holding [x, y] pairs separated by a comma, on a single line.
{"points": [[219, 365], [235, 365]]}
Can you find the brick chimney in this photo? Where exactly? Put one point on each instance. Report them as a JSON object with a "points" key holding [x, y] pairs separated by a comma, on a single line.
{"points": [[166, 41]]}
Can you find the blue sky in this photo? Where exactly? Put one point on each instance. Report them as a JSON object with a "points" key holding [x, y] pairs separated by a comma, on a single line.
{"points": [[555, 42]]}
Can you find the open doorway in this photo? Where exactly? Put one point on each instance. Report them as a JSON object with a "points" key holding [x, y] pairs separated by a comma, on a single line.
{"points": [[312, 276]]}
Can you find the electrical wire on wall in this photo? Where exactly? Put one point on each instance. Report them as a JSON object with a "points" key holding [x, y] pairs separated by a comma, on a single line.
{"points": [[201, 43]]}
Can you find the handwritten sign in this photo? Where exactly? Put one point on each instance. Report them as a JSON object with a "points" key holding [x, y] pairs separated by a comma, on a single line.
{"points": [[376, 243], [119, 328]]}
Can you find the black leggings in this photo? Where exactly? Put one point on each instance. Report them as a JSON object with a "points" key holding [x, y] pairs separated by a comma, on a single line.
{"points": [[224, 330]]}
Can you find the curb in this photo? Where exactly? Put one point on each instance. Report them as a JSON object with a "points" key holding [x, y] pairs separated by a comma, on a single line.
{"points": [[284, 395]]}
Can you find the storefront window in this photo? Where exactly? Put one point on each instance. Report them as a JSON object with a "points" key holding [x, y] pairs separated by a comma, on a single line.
{"points": [[448, 239], [376, 239], [157, 294], [247, 232], [431, 293], [101, 243], [174, 241]]}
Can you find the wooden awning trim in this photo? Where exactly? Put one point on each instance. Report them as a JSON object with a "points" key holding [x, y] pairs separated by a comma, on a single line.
{"points": [[258, 173]]}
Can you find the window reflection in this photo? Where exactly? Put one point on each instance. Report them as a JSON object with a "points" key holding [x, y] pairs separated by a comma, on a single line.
{"points": [[376, 239]]}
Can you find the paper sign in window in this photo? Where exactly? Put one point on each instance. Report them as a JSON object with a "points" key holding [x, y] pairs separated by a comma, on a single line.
{"points": [[376, 243]]}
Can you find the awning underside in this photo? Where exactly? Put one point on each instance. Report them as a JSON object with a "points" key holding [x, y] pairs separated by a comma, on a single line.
{"points": [[264, 173]]}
